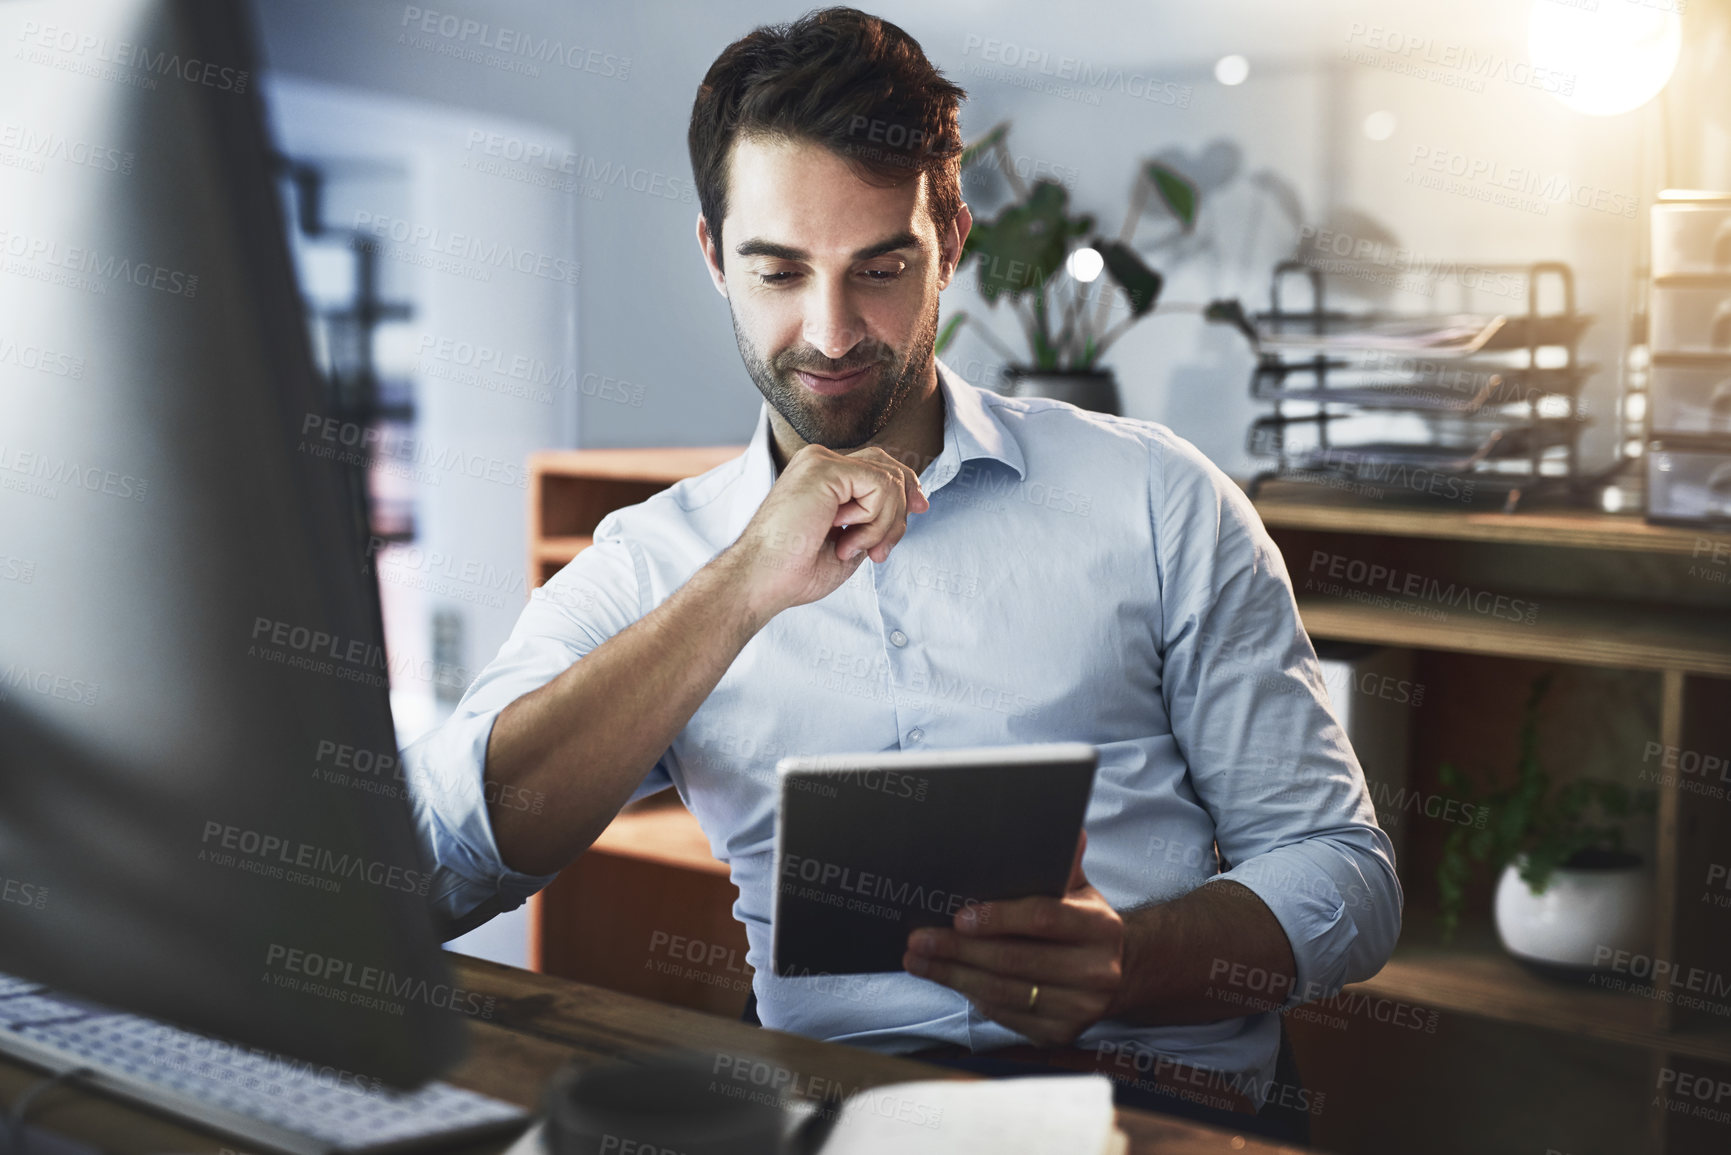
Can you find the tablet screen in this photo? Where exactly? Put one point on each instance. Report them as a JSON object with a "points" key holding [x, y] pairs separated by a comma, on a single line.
{"points": [[871, 846]]}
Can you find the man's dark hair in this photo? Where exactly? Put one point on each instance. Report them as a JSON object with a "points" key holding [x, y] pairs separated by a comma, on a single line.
{"points": [[854, 83]]}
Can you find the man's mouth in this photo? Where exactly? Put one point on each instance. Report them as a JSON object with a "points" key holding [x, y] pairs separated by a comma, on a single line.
{"points": [[833, 384]]}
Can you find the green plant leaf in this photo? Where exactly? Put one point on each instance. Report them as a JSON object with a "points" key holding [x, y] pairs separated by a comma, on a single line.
{"points": [[1281, 192], [1140, 283], [985, 144], [1231, 312], [1025, 246], [1176, 191], [1452, 873], [1532, 825], [947, 333]]}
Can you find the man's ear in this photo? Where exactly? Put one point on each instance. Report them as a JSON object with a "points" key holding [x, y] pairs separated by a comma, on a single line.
{"points": [[711, 256], [950, 245]]}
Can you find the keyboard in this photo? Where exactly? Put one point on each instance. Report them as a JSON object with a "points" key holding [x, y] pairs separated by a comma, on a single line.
{"points": [[277, 1103]]}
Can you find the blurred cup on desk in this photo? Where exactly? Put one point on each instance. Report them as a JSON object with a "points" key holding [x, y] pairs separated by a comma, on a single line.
{"points": [[676, 1103]]}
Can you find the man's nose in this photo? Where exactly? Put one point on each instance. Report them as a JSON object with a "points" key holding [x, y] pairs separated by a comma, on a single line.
{"points": [[832, 325]]}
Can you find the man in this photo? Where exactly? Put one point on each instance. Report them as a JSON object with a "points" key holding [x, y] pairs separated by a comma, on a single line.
{"points": [[901, 560]]}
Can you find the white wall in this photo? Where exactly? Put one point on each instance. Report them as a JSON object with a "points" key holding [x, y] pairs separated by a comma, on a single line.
{"points": [[650, 318]]}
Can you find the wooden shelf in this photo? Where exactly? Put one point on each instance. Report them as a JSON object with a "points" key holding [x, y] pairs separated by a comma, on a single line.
{"points": [[662, 465], [1477, 977], [1561, 528], [1594, 633], [660, 829], [561, 549], [571, 491]]}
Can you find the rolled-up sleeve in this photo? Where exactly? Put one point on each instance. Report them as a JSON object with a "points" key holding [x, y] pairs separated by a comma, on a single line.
{"points": [[1267, 757], [583, 605]]}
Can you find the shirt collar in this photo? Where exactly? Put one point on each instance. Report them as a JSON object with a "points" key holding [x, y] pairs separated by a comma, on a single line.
{"points": [[972, 432]]}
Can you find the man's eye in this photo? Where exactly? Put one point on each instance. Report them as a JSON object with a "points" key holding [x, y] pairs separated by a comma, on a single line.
{"points": [[877, 276]]}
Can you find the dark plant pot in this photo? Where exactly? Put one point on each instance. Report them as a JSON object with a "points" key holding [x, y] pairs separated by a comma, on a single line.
{"points": [[1094, 389]]}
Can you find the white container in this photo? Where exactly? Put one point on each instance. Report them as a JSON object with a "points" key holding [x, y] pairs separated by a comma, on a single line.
{"points": [[1691, 319], [1582, 914], [1691, 397], [1688, 483], [1692, 240], [1373, 694]]}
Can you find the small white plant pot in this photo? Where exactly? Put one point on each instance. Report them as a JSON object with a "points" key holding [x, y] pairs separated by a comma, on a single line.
{"points": [[1585, 915]]}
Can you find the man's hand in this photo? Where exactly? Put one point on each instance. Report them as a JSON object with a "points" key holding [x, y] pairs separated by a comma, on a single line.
{"points": [[827, 513], [1072, 947]]}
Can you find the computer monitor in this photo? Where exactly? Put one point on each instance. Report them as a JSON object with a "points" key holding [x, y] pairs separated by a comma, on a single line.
{"points": [[198, 815]]}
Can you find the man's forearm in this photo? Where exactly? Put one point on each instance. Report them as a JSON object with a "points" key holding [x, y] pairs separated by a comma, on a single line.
{"points": [[1215, 953], [586, 739]]}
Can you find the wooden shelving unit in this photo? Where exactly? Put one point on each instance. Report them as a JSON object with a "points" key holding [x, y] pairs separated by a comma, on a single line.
{"points": [[1567, 528], [1594, 633], [659, 829], [1476, 977], [556, 551], [1611, 592], [571, 490]]}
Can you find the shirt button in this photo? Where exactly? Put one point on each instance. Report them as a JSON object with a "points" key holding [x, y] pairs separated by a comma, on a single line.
{"points": [[898, 638], [916, 734]]}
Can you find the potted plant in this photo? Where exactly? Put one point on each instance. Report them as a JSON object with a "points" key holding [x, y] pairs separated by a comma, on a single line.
{"points": [[1046, 260], [1568, 888]]}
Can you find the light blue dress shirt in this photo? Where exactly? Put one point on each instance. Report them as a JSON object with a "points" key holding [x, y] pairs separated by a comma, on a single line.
{"points": [[1078, 577]]}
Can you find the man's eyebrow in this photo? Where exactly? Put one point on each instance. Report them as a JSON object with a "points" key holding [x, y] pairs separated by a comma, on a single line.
{"points": [[757, 247]]}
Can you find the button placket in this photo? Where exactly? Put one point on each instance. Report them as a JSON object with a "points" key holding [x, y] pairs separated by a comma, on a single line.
{"points": [[897, 656]]}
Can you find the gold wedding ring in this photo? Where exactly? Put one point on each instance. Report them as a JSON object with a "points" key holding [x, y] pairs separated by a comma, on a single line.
{"points": [[1033, 996]]}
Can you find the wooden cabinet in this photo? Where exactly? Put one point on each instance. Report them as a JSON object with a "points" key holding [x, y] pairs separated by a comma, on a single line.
{"points": [[571, 490], [647, 910]]}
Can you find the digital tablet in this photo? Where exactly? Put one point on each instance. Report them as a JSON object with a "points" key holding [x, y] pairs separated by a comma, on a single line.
{"points": [[870, 846]]}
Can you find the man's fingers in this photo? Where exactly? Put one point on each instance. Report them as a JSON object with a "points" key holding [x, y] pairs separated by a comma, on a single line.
{"points": [[1042, 1031], [1000, 997], [1035, 917], [877, 538], [911, 491], [1077, 878], [983, 988], [876, 509], [1022, 958], [869, 540], [915, 496], [851, 513], [873, 495]]}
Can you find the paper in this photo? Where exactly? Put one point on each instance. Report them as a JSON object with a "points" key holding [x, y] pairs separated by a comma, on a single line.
{"points": [[1457, 335], [529, 1143], [1037, 1114]]}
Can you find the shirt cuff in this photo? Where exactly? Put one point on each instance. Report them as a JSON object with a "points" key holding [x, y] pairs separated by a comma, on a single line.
{"points": [[1321, 923], [445, 771]]}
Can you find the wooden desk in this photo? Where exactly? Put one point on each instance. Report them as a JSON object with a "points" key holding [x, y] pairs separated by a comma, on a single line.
{"points": [[539, 1022]]}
